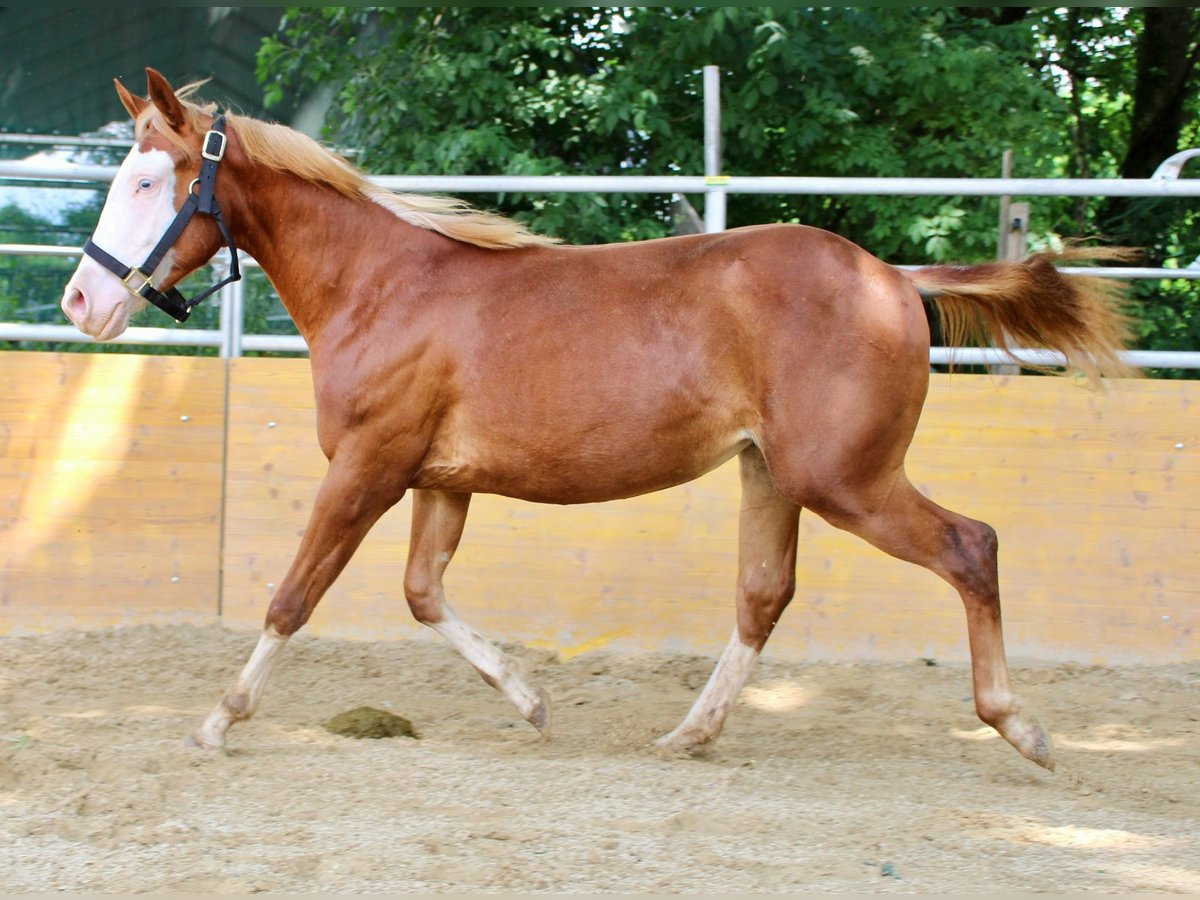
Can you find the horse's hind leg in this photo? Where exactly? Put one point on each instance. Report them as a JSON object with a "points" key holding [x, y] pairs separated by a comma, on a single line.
{"points": [[437, 524], [766, 581], [911, 527]]}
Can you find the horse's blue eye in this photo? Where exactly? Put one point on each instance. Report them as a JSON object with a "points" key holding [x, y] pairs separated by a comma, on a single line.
{"points": [[145, 184]]}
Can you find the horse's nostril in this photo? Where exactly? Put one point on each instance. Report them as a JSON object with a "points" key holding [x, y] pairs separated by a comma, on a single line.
{"points": [[75, 306]]}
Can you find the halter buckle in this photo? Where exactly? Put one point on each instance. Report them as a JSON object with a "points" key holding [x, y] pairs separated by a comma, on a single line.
{"points": [[208, 152], [137, 291]]}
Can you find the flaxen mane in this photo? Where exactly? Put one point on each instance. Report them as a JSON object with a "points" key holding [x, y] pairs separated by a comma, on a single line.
{"points": [[286, 150]]}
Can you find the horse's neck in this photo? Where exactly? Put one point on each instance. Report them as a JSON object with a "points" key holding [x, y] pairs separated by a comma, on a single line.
{"points": [[311, 242]]}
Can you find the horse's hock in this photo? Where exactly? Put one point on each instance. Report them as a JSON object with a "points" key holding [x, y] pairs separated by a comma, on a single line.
{"points": [[132, 494]]}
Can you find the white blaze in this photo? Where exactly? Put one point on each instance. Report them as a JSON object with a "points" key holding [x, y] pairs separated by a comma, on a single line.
{"points": [[139, 208]]}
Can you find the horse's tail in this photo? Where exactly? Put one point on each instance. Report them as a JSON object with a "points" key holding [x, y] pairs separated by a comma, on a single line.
{"points": [[1031, 304]]}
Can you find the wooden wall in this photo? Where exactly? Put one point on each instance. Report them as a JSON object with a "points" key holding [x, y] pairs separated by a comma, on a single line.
{"points": [[111, 511], [110, 489]]}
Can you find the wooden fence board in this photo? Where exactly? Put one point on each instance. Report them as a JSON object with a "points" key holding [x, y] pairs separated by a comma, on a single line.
{"points": [[1095, 502], [110, 489], [114, 469]]}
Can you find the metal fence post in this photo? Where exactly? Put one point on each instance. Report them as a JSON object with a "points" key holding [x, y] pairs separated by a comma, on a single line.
{"points": [[232, 316], [714, 181]]}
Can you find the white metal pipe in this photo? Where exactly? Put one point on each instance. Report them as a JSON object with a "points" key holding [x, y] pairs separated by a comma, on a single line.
{"points": [[696, 184], [1102, 271], [274, 343], [59, 140], [38, 250], [1162, 359], [690, 184], [1172, 166], [973, 187], [1130, 272], [225, 310], [715, 206], [37, 171], [545, 184], [985, 356], [714, 191], [237, 302], [712, 120], [172, 337]]}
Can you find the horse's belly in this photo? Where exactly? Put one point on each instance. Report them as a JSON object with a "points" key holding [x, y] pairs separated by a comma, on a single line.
{"points": [[587, 471]]}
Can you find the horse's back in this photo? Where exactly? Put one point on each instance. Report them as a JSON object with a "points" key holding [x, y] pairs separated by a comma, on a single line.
{"points": [[589, 373]]}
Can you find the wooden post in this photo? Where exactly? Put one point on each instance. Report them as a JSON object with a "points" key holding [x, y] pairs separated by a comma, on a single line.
{"points": [[1005, 203], [1016, 235], [1013, 241]]}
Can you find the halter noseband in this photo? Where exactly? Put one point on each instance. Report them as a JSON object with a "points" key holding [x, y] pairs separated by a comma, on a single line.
{"points": [[137, 278]]}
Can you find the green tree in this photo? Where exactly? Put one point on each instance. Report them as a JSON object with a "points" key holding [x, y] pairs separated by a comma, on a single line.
{"points": [[30, 285], [1131, 77], [855, 91], [618, 91]]}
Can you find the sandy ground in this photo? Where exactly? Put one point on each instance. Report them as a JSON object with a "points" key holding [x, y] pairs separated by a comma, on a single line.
{"points": [[869, 777]]}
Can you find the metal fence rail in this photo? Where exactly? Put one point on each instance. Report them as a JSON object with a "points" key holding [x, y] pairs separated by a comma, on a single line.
{"points": [[231, 340], [86, 175]]}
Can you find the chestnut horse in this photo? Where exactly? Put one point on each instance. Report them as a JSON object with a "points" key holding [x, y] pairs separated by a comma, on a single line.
{"points": [[455, 352]]}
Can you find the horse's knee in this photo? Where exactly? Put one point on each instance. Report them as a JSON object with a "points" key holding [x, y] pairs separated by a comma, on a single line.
{"points": [[424, 597], [764, 596], [972, 550], [977, 541], [286, 614]]}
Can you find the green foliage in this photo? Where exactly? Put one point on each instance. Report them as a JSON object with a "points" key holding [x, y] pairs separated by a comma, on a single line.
{"points": [[863, 91], [459, 90], [852, 91], [31, 286]]}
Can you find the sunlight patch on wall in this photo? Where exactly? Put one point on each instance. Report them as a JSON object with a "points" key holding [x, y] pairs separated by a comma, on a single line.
{"points": [[84, 448]]}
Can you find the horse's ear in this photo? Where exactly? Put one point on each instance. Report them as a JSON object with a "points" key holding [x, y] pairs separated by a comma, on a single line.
{"points": [[162, 95], [133, 104]]}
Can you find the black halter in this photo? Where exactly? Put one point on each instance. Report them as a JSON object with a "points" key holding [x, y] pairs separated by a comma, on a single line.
{"points": [[137, 278]]}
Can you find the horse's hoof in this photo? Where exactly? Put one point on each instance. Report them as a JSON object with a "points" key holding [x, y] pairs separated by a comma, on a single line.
{"points": [[673, 746], [1039, 748], [1030, 739], [539, 717], [195, 741]]}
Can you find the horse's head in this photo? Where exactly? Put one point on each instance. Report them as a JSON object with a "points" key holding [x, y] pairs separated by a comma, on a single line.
{"points": [[151, 186]]}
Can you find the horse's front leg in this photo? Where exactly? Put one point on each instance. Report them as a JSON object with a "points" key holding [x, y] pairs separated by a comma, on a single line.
{"points": [[346, 507], [437, 525]]}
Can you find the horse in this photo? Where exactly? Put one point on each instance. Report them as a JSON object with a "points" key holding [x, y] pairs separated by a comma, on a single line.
{"points": [[454, 351]]}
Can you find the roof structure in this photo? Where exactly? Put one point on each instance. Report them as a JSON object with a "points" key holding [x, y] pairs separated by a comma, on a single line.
{"points": [[57, 65]]}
